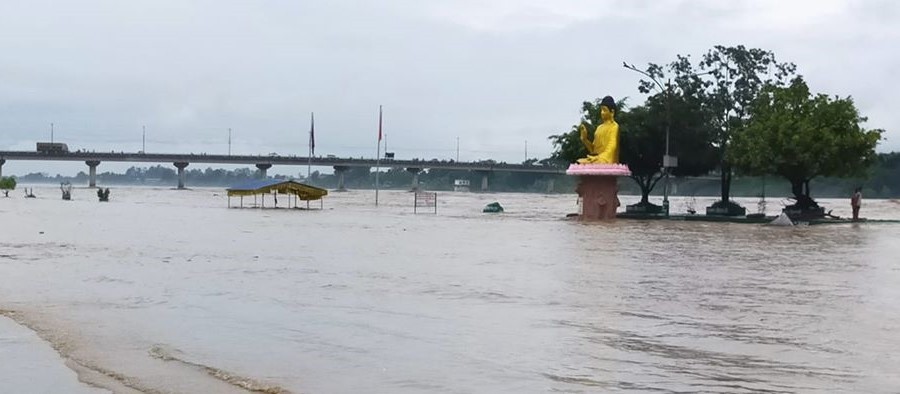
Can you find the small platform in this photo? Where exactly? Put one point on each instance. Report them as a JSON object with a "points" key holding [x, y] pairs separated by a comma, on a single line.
{"points": [[598, 170]]}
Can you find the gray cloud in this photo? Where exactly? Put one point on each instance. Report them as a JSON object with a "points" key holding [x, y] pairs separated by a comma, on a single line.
{"points": [[493, 73]]}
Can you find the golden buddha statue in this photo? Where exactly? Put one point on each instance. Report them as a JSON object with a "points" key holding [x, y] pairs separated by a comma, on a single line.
{"points": [[604, 149]]}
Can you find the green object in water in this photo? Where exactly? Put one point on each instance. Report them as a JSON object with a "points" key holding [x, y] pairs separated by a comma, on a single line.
{"points": [[493, 207]]}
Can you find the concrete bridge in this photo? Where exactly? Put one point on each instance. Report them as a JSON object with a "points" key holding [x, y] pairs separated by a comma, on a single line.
{"points": [[263, 163]]}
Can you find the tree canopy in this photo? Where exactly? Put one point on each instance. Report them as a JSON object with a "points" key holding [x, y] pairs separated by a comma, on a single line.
{"points": [[7, 183], [722, 85], [644, 141], [799, 135], [567, 147]]}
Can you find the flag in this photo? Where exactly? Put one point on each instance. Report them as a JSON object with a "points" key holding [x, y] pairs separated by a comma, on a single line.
{"points": [[379, 123], [312, 134]]}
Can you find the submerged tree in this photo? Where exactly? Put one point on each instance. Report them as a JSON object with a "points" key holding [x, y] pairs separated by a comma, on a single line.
{"points": [[644, 142], [678, 107], [7, 183], [722, 85], [800, 136], [738, 74]]}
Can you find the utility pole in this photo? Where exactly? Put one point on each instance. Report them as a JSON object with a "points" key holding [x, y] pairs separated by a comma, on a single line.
{"points": [[51, 132], [378, 155], [526, 150], [229, 141], [312, 147], [457, 149], [143, 139]]}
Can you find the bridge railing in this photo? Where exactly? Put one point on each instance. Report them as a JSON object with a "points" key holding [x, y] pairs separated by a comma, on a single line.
{"points": [[272, 159]]}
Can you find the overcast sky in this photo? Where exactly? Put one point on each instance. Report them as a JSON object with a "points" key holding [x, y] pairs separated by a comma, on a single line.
{"points": [[494, 73]]}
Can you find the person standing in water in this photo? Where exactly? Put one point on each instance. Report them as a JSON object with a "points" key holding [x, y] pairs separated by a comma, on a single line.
{"points": [[856, 202]]}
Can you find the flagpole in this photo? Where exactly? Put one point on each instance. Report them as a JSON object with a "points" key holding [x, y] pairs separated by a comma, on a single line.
{"points": [[378, 156], [312, 150], [312, 144]]}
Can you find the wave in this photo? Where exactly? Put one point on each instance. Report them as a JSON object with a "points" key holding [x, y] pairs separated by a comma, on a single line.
{"points": [[97, 376], [167, 354]]}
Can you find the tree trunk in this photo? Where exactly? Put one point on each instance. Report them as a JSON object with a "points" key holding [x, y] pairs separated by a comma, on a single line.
{"points": [[644, 184], [797, 188], [645, 193], [800, 189], [726, 184]]}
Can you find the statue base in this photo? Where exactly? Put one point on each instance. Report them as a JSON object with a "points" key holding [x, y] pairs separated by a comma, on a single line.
{"points": [[598, 188]]}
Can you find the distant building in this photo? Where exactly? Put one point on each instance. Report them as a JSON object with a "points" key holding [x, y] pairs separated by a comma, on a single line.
{"points": [[461, 185]]}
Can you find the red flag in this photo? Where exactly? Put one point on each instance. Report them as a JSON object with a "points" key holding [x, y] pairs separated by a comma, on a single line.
{"points": [[379, 123], [312, 134]]}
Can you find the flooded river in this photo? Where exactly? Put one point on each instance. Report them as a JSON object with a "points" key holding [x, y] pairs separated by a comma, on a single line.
{"points": [[169, 291]]}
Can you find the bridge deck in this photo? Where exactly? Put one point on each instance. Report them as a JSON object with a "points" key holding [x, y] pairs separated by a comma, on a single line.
{"points": [[281, 160]]}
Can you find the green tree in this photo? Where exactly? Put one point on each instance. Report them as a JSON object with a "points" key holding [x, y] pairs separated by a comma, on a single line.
{"points": [[7, 183], [737, 75], [679, 106], [643, 141], [801, 136], [722, 84]]}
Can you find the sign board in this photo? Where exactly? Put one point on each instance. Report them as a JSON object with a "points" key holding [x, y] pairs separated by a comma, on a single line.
{"points": [[425, 199], [670, 161]]}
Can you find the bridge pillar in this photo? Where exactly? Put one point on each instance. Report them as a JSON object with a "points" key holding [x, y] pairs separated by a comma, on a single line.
{"points": [[551, 185], [484, 180], [415, 180], [180, 166], [2, 162], [92, 172], [262, 167], [339, 173]]}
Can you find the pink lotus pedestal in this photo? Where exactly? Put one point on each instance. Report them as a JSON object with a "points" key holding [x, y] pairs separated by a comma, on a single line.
{"points": [[598, 188]]}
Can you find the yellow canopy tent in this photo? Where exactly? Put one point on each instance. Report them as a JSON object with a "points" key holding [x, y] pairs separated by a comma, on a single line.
{"points": [[293, 189]]}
